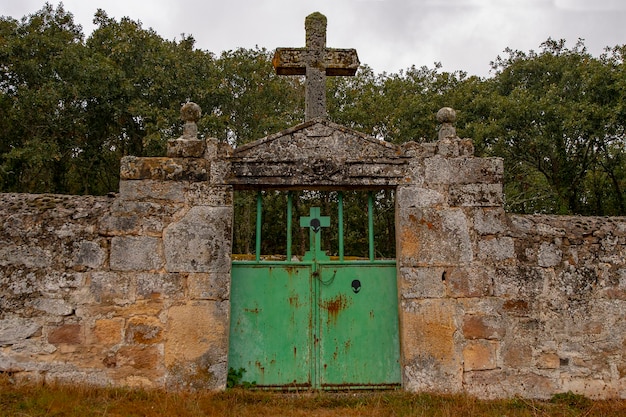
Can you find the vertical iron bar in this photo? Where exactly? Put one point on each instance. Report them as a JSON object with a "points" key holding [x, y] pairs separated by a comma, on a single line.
{"points": [[259, 206], [289, 215], [370, 223], [340, 225]]}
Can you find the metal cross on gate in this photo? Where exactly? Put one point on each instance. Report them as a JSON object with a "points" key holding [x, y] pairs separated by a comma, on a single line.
{"points": [[315, 61], [315, 221]]}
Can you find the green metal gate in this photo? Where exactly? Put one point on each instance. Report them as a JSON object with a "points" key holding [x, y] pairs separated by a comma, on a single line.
{"points": [[318, 323]]}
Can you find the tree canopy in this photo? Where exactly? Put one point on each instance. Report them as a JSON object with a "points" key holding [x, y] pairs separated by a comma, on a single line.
{"points": [[72, 106]]}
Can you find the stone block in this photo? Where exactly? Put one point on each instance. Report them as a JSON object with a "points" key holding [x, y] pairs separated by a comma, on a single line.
{"points": [[62, 280], [69, 334], [33, 346], [466, 147], [89, 254], [471, 281], [114, 225], [76, 377], [477, 326], [448, 146], [521, 283], [194, 329], [110, 286], [516, 308], [419, 150], [200, 241], [412, 196], [421, 282], [203, 194], [517, 354], [144, 330], [414, 173], [216, 149], [164, 169], [496, 249], [139, 217], [17, 329], [220, 172], [431, 355], [108, 331], [476, 195], [53, 306], [489, 221], [433, 237], [548, 360], [24, 255], [10, 365], [186, 148], [136, 360], [574, 286], [209, 286], [439, 170], [498, 383], [161, 285], [380, 170], [136, 253], [549, 255], [594, 388], [480, 355], [152, 190]]}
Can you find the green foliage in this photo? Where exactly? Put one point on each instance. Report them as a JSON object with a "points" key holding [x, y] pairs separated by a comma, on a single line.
{"points": [[571, 400], [395, 107], [234, 379], [72, 107], [554, 116]]}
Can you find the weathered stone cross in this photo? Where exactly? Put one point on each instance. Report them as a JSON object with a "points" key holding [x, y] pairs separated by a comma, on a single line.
{"points": [[315, 61]]}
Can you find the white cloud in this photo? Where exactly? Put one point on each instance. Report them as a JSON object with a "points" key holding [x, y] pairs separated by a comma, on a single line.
{"points": [[389, 35], [591, 5]]}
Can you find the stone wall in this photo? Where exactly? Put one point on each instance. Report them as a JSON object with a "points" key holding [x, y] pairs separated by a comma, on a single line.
{"points": [[133, 289], [510, 305], [129, 289]]}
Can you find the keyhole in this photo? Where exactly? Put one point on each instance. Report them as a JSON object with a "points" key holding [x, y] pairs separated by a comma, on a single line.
{"points": [[315, 225], [356, 286]]}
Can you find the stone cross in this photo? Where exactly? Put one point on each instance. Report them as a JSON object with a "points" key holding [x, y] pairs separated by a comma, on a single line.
{"points": [[315, 61]]}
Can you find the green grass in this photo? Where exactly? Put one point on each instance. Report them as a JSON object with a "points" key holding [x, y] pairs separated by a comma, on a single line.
{"points": [[21, 400]]}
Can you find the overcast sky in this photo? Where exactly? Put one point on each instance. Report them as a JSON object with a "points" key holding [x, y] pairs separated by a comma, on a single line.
{"points": [[389, 35]]}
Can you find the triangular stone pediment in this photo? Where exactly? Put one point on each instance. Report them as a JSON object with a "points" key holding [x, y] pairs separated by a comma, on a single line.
{"points": [[317, 153]]}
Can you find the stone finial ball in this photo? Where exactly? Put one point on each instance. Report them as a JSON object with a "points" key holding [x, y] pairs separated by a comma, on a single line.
{"points": [[446, 115], [190, 112]]}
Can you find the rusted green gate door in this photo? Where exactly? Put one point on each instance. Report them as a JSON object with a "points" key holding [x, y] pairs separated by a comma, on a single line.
{"points": [[270, 331], [317, 323], [358, 325]]}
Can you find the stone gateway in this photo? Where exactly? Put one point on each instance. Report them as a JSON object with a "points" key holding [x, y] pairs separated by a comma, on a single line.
{"points": [[135, 288]]}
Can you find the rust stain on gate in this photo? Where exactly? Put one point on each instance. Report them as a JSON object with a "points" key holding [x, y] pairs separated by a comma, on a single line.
{"points": [[334, 306]]}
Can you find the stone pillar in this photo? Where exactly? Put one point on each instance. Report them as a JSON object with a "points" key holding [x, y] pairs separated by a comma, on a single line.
{"points": [[436, 255], [182, 229]]}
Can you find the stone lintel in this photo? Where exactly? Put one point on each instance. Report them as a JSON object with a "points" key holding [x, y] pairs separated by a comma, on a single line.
{"points": [[164, 169], [315, 173]]}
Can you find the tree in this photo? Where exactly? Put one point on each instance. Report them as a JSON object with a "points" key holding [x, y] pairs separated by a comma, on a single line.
{"points": [[148, 81], [252, 101], [395, 107], [42, 105], [71, 108], [549, 116]]}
